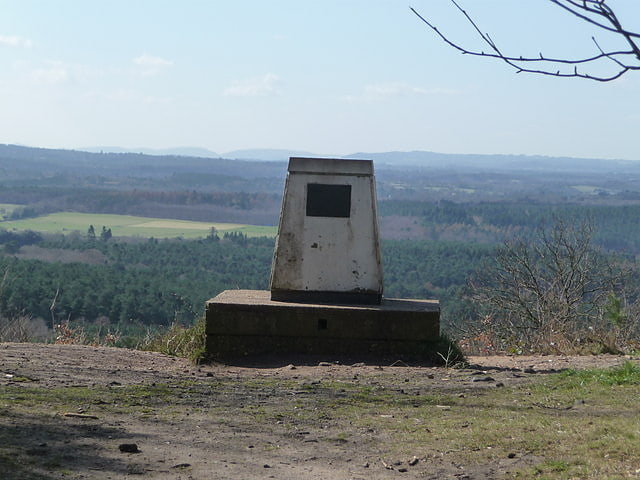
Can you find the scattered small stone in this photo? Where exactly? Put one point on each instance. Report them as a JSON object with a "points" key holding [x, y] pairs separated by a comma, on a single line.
{"points": [[209, 374], [431, 376], [291, 366], [511, 455], [386, 465], [359, 364], [414, 461], [266, 465], [403, 470], [443, 407], [324, 364], [182, 465], [129, 448], [499, 384], [461, 395], [365, 465]]}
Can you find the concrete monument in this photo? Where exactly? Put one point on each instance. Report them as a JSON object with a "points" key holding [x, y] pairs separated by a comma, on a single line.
{"points": [[328, 248], [326, 280]]}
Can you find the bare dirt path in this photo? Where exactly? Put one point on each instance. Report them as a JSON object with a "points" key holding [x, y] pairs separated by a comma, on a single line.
{"points": [[67, 410]]}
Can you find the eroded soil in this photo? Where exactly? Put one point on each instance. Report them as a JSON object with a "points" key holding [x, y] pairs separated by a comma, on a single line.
{"points": [[269, 420]]}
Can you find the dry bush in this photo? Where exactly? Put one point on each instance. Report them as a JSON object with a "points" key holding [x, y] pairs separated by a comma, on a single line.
{"points": [[23, 329], [552, 293]]}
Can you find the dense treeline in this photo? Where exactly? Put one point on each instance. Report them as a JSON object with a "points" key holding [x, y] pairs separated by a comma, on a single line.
{"points": [[616, 228], [156, 282], [238, 206], [151, 282], [41, 166]]}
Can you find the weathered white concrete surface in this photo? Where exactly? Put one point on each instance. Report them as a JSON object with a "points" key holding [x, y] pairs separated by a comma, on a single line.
{"points": [[316, 253]]}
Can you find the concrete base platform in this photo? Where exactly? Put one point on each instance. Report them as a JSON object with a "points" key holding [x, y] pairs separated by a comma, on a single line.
{"points": [[248, 322]]}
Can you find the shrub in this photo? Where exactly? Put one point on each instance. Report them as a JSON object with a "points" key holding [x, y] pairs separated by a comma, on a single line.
{"points": [[180, 341]]}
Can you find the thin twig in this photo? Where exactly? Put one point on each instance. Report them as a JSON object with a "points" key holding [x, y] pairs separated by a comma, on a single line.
{"points": [[581, 10]]}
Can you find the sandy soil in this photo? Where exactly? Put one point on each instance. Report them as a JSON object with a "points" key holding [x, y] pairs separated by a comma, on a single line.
{"points": [[192, 443]]}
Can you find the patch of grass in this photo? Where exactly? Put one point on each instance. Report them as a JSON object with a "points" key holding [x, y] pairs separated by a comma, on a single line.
{"points": [[574, 428], [56, 399], [181, 341], [626, 374], [127, 225], [556, 469]]}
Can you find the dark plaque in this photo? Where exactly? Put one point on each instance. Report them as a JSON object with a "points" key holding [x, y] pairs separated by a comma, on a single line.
{"points": [[328, 200]]}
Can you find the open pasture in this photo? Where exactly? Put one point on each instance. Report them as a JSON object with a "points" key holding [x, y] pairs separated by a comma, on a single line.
{"points": [[131, 226]]}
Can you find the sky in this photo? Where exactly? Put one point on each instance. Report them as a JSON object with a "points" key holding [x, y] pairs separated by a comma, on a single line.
{"points": [[331, 77]]}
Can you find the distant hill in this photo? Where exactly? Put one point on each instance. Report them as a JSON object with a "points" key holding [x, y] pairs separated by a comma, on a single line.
{"points": [[19, 162], [268, 154], [176, 151], [536, 163], [416, 158], [260, 154], [56, 167]]}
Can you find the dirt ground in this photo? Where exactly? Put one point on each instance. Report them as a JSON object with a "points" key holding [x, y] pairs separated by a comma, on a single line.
{"points": [[193, 442]]}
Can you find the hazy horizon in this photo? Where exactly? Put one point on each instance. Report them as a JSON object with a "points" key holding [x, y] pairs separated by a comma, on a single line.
{"points": [[330, 77]]}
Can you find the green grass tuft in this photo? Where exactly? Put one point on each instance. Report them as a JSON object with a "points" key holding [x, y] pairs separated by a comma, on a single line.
{"points": [[180, 341], [626, 374]]}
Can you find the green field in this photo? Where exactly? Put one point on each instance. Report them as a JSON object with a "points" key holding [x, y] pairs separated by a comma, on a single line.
{"points": [[130, 226]]}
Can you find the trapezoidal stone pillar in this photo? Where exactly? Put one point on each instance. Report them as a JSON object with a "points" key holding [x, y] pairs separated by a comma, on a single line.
{"points": [[325, 295], [327, 249]]}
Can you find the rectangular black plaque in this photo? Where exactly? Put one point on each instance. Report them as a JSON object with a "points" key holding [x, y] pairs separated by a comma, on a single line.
{"points": [[325, 200]]}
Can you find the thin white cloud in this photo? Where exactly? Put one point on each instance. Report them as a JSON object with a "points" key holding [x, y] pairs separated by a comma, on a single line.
{"points": [[126, 96], [53, 72], [15, 41], [120, 95], [57, 72], [151, 100], [382, 91], [151, 65], [263, 86]]}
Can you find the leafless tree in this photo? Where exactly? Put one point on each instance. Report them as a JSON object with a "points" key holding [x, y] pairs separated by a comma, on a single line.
{"points": [[546, 289], [594, 12]]}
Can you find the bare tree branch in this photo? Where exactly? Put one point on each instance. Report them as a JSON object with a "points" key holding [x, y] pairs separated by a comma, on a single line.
{"points": [[594, 12], [546, 287]]}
